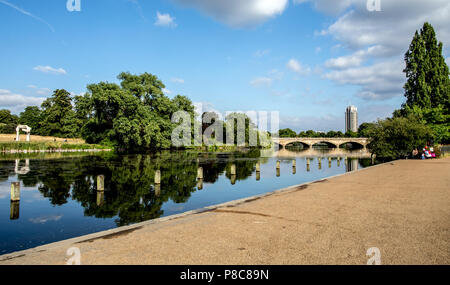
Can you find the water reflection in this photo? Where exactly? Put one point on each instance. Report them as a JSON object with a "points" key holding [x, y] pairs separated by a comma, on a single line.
{"points": [[135, 188]]}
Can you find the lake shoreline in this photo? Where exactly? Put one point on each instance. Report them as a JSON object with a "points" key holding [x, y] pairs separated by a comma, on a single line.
{"points": [[237, 217]]}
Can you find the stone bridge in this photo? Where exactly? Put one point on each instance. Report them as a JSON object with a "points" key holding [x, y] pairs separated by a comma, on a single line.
{"points": [[334, 142]]}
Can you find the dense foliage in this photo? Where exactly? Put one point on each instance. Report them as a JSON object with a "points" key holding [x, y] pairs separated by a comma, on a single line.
{"points": [[8, 122], [133, 115], [396, 137], [427, 89]]}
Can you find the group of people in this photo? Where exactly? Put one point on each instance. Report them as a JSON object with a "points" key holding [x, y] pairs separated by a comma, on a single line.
{"points": [[427, 152]]}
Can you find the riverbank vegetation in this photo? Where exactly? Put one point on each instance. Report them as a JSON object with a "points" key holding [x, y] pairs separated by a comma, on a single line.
{"points": [[47, 146]]}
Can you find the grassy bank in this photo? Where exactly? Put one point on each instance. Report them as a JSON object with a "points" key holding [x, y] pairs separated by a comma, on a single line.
{"points": [[47, 146]]}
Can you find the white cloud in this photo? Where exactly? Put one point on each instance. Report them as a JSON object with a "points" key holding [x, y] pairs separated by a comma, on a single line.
{"points": [[377, 40], [178, 80], [262, 82], [165, 20], [167, 91], [296, 66], [238, 13], [17, 102], [355, 59], [49, 69], [379, 81]]}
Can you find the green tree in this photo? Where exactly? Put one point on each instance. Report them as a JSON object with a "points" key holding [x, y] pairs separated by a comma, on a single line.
{"points": [[427, 73], [427, 89], [8, 122], [133, 116], [31, 117], [287, 133], [397, 137], [351, 134], [364, 129], [58, 116]]}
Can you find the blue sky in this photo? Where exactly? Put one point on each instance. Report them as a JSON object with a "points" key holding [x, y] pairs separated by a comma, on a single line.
{"points": [[307, 59]]}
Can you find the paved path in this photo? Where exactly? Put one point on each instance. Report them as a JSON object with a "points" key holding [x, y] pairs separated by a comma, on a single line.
{"points": [[403, 208]]}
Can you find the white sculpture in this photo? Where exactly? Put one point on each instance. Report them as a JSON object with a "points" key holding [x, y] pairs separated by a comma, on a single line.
{"points": [[24, 128]]}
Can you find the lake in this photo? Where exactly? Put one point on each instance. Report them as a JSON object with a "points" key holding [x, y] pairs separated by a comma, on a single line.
{"points": [[60, 199]]}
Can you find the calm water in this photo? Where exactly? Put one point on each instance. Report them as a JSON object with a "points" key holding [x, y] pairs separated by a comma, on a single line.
{"points": [[59, 197]]}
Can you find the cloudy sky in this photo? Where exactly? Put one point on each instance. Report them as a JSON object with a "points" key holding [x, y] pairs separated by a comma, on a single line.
{"points": [[307, 59]]}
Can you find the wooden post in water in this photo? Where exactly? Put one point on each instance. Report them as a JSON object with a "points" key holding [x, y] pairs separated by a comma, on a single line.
{"points": [[278, 164], [258, 166], [339, 161], [233, 169], [100, 198], [200, 173], [200, 178], [200, 184], [158, 177], [258, 176], [15, 210], [233, 179], [157, 190], [329, 162], [15, 191], [294, 163], [101, 183], [320, 163], [233, 174]]}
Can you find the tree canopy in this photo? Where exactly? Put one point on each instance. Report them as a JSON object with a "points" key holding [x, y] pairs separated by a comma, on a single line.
{"points": [[427, 89]]}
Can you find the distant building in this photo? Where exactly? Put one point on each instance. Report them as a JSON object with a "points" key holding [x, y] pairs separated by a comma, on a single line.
{"points": [[351, 119]]}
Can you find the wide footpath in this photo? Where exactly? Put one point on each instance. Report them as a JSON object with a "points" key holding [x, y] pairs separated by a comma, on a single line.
{"points": [[402, 208]]}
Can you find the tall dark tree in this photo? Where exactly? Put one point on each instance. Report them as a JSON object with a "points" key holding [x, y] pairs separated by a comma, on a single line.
{"points": [[58, 116], [428, 84], [427, 89]]}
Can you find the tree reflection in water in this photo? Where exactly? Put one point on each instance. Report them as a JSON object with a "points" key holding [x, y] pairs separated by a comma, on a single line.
{"points": [[129, 185]]}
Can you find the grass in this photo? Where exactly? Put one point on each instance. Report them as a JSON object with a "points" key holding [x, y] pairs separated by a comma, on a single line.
{"points": [[23, 137], [39, 143]]}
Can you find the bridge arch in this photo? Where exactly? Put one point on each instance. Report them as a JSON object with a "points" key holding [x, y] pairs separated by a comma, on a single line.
{"points": [[355, 144], [291, 143], [328, 143]]}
